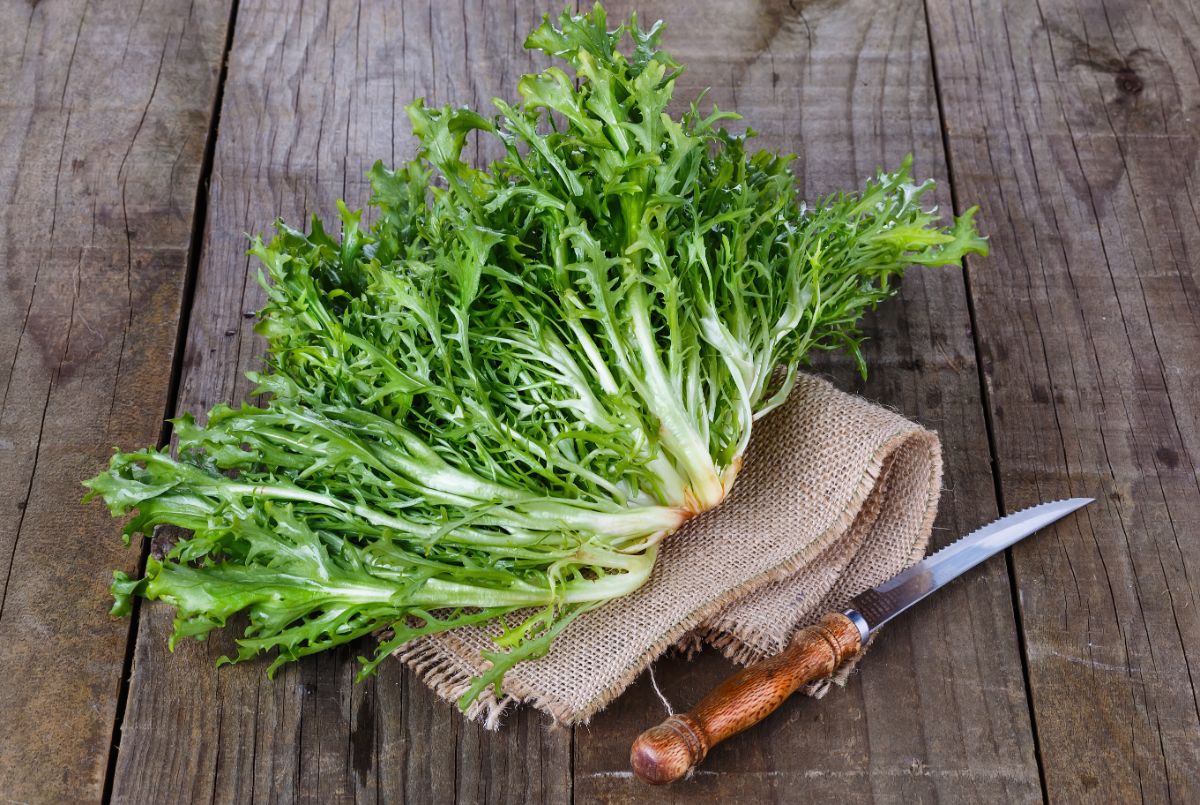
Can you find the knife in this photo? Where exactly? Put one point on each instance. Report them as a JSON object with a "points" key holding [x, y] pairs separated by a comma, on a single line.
{"points": [[667, 752]]}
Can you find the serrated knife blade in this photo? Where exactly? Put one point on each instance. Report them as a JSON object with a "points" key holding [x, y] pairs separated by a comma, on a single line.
{"points": [[872, 608]]}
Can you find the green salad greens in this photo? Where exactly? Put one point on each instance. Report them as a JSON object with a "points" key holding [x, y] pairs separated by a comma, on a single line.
{"points": [[492, 403]]}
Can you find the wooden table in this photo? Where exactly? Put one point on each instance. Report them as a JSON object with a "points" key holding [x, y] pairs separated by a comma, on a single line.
{"points": [[139, 142]]}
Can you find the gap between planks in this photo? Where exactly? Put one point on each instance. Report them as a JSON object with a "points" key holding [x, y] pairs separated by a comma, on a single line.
{"points": [[986, 402], [199, 222]]}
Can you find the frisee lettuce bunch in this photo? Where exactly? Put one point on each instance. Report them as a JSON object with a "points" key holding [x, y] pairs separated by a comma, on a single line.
{"points": [[492, 404]]}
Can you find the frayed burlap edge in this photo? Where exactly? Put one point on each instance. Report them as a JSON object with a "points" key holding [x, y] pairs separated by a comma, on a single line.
{"points": [[450, 676]]}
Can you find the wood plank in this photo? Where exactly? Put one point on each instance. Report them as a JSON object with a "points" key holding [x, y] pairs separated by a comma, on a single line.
{"points": [[1074, 125], [315, 94], [104, 117], [938, 710]]}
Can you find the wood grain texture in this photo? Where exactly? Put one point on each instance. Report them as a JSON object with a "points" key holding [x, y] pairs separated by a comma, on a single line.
{"points": [[665, 753], [1074, 124], [104, 117], [938, 709], [314, 95]]}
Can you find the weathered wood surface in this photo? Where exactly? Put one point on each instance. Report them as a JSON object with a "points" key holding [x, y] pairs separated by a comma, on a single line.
{"points": [[104, 116], [1074, 125]]}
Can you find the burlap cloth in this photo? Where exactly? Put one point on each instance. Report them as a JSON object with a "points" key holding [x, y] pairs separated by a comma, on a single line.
{"points": [[837, 494]]}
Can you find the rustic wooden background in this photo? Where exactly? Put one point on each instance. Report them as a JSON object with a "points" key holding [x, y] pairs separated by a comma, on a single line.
{"points": [[140, 141]]}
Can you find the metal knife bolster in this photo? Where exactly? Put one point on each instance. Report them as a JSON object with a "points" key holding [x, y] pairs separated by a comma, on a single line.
{"points": [[860, 623]]}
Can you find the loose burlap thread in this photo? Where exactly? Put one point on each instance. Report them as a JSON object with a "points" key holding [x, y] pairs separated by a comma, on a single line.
{"points": [[837, 494]]}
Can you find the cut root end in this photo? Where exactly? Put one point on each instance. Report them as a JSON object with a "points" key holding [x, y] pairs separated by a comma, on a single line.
{"points": [[695, 504]]}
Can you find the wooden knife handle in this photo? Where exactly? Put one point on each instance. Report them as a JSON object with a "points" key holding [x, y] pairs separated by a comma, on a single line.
{"points": [[665, 753]]}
